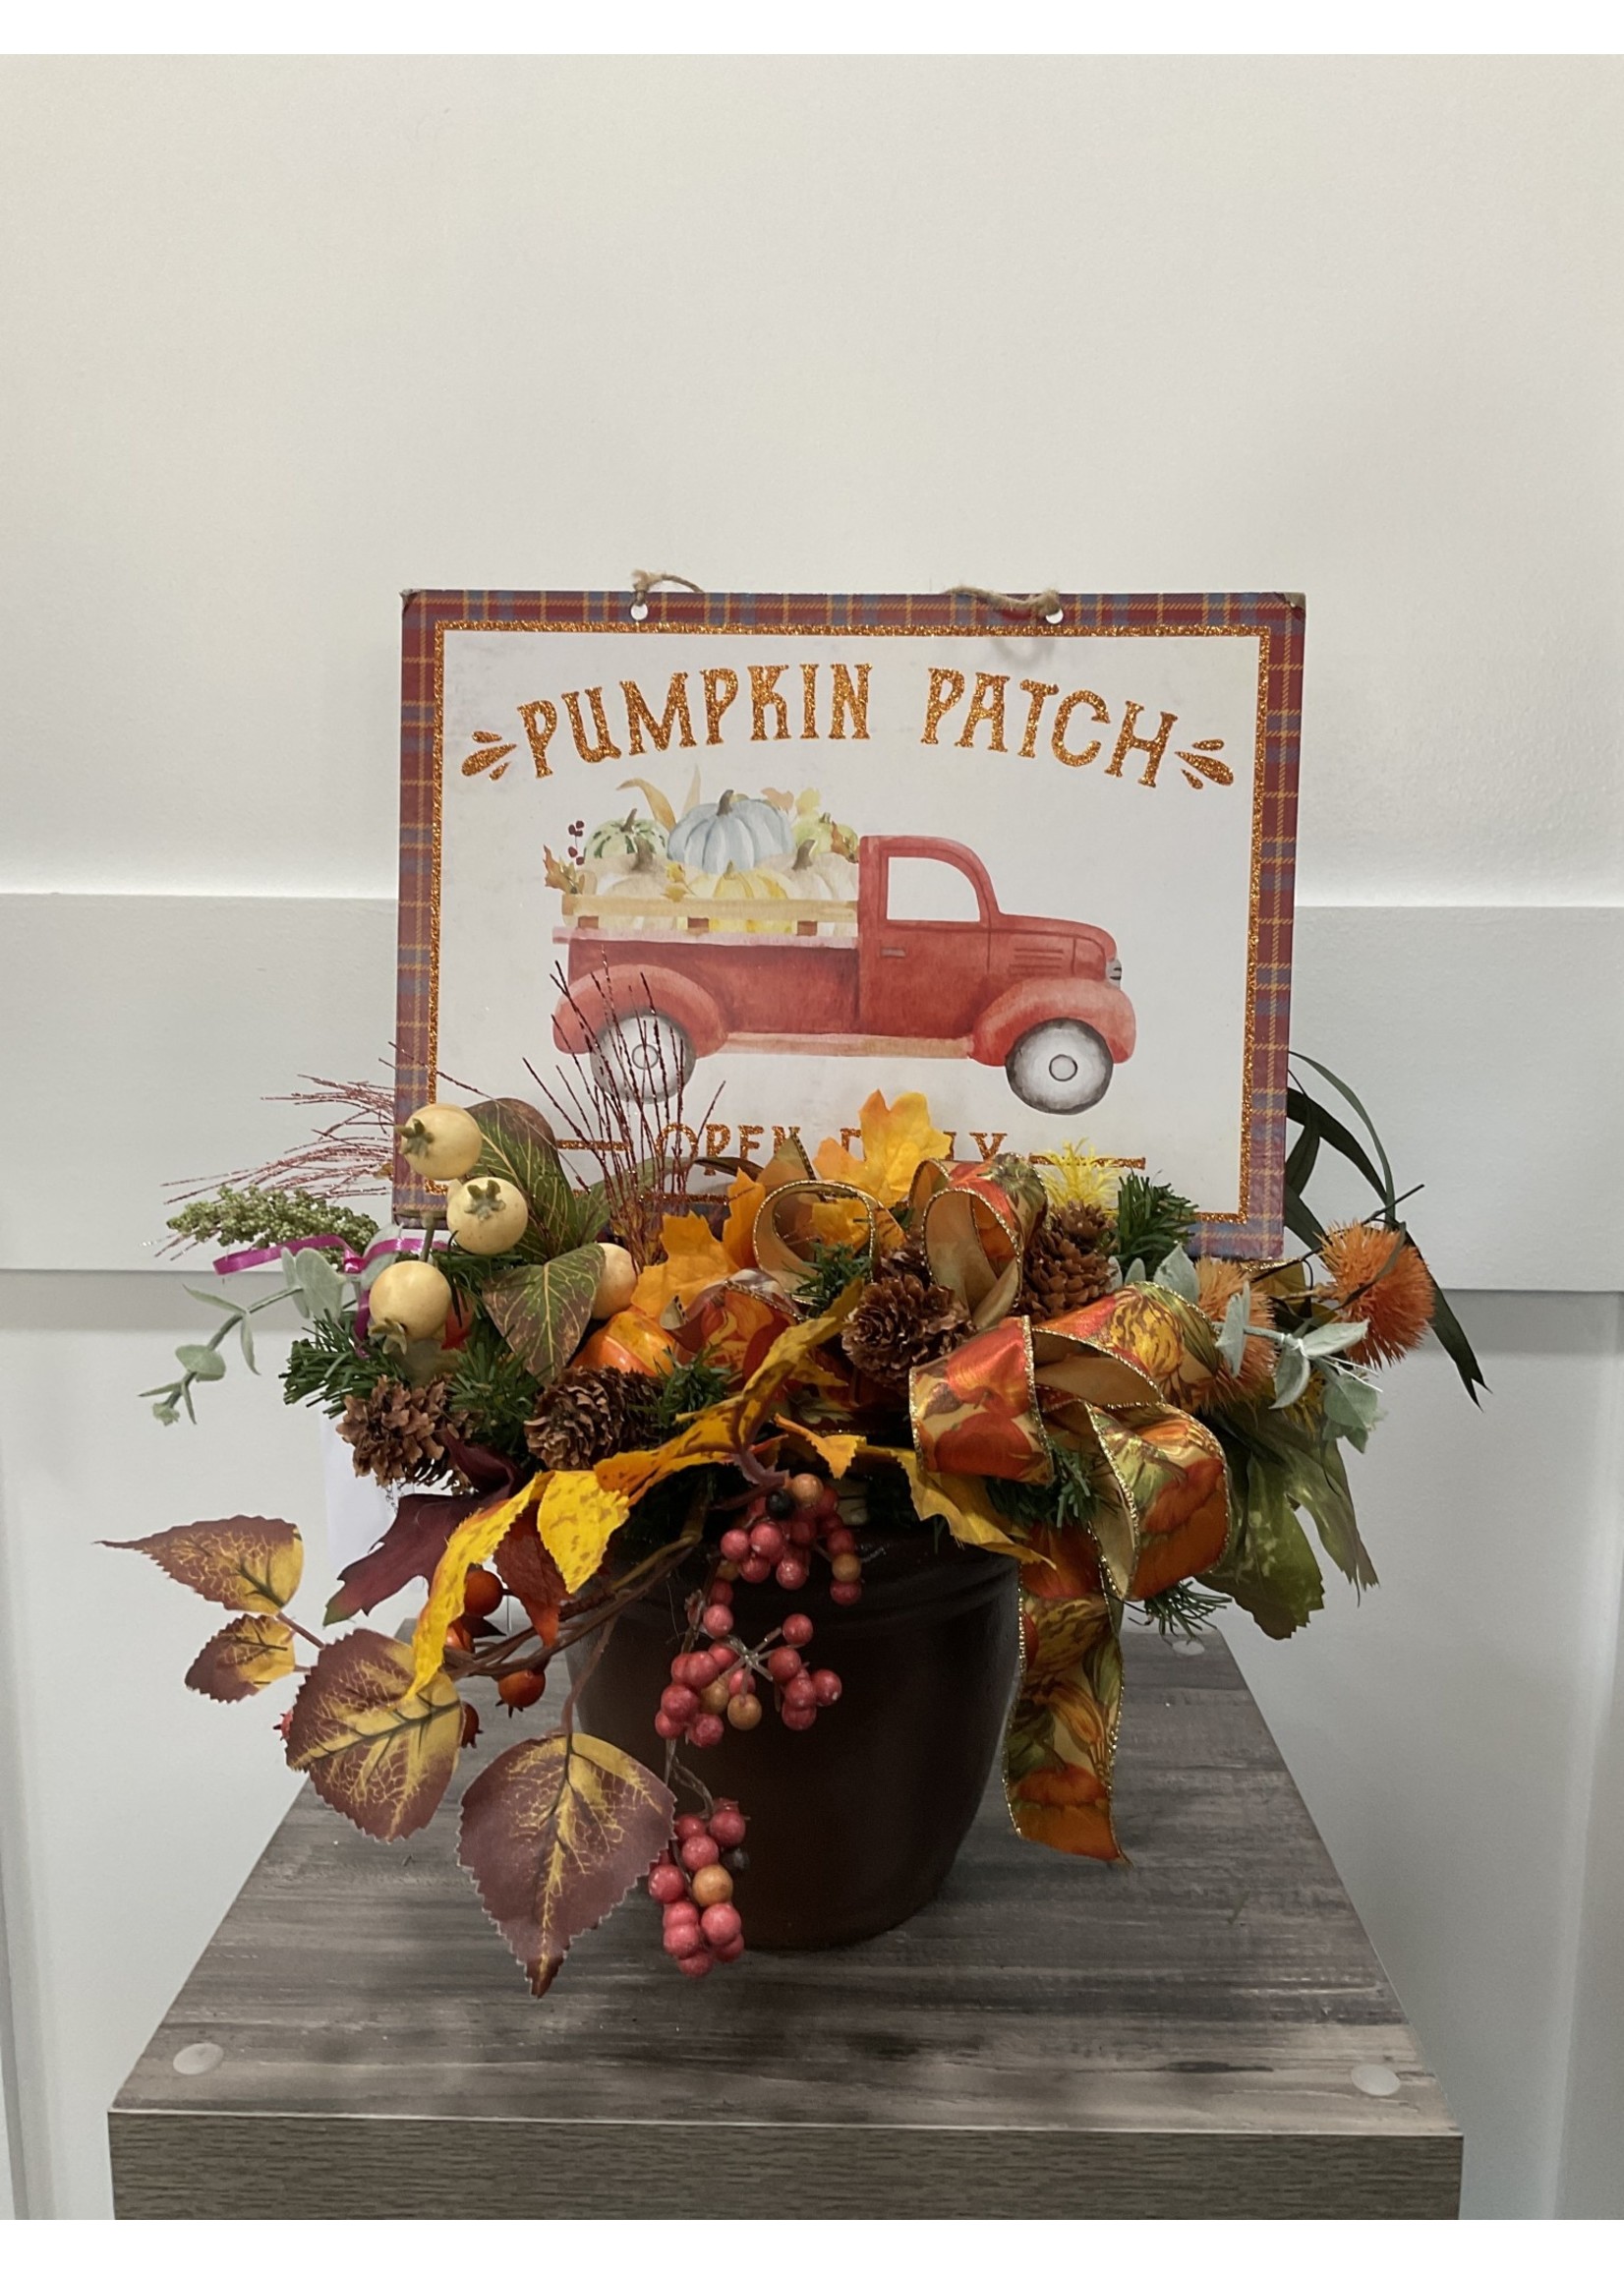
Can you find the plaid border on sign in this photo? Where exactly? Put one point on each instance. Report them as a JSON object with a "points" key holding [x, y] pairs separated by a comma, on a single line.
{"points": [[1275, 619]]}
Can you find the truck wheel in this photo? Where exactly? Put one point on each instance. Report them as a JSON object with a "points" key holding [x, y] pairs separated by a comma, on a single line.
{"points": [[1059, 1067], [643, 1055]]}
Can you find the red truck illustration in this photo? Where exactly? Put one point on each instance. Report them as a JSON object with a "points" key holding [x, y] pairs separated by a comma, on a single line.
{"points": [[678, 978]]}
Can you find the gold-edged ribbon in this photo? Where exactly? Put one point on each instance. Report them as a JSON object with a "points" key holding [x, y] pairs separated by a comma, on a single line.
{"points": [[1105, 1392]]}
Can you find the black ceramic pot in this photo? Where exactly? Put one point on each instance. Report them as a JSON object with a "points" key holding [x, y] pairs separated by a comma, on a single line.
{"points": [[855, 1822]]}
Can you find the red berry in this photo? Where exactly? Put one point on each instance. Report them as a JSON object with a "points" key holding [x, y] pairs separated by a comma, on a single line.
{"points": [[718, 1619], [719, 1657], [847, 1591], [683, 1940], [727, 1827], [720, 1590], [665, 1726], [520, 1689], [799, 1716], [481, 1592], [793, 1571], [740, 1682], [686, 1827], [728, 1952], [720, 1923], [707, 1729], [841, 1542], [736, 1544], [679, 1703], [756, 1509], [698, 1967], [754, 1569], [828, 1503], [802, 1532], [681, 1914], [692, 1669], [744, 1711], [797, 1629], [667, 1883], [784, 1664], [698, 1850], [826, 1685], [767, 1539], [847, 1569], [799, 1694], [806, 1491]]}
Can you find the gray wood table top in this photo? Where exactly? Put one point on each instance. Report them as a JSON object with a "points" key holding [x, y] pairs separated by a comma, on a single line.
{"points": [[1205, 2034]]}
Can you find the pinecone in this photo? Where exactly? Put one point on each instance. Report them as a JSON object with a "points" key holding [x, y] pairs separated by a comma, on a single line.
{"points": [[591, 1413], [900, 1323], [393, 1434], [906, 1262], [1067, 1263]]}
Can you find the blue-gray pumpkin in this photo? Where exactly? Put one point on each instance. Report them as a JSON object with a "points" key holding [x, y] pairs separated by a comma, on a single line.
{"points": [[736, 831]]}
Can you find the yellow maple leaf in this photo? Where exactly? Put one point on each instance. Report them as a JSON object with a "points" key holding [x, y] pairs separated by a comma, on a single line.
{"points": [[963, 1504], [577, 1518], [895, 1139], [695, 1259], [705, 1442]]}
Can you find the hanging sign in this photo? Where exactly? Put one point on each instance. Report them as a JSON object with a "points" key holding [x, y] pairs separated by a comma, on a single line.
{"points": [[754, 857]]}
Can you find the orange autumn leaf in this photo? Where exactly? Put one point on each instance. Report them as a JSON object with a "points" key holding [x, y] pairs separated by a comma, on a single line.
{"points": [[739, 1235], [695, 1259], [895, 1139]]}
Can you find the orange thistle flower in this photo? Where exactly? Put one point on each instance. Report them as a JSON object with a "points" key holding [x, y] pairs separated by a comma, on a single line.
{"points": [[1378, 1276], [1218, 1281]]}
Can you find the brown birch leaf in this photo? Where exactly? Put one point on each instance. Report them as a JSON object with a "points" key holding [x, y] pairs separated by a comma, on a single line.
{"points": [[244, 1562], [381, 1757], [243, 1659], [553, 1834]]}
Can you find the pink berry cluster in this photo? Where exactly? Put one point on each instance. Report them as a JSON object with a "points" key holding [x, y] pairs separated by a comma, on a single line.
{"points": [[708, 1684], [693, 1884], [779, 1536]]}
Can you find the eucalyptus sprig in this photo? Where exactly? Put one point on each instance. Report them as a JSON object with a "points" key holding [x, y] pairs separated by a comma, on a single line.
{"points": [[316, 1288]]}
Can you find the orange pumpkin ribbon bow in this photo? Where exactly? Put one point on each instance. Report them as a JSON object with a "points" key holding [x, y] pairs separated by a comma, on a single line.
{"points": [[1104, 1392]]}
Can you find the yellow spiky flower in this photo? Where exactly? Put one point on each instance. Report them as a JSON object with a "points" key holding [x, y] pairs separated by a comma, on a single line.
{"points": [[1077, 1175]]}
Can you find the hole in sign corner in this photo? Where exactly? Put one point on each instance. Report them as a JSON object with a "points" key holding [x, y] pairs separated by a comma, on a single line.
{"points": [[1056, 615], [198, 2060], [1375, 2078], [639, 610]]}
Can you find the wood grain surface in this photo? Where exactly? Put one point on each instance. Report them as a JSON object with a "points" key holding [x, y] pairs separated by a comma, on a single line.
{"points": [[1049, 2038]]}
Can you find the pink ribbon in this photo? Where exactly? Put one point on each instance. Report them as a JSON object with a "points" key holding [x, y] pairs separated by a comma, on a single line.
{"points": [[349, 1262]]}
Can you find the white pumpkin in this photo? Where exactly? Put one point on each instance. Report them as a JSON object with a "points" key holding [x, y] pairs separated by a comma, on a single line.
{"points": [[736, 833], [820, 876]]}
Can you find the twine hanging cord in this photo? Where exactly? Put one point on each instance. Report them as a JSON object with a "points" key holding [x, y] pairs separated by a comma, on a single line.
{"points": [[643, 582], [1044, 605], [1033, 604]]}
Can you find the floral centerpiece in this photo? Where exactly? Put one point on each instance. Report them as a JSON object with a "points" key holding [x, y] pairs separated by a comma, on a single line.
{"points": [[743, 1398]]}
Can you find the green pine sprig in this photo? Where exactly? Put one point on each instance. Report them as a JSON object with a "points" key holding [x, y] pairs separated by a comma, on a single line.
{"points": [[833, 1268], [1182, 1608], [1151, 1221]]}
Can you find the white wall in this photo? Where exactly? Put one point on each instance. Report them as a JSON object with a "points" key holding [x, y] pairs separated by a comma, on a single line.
{"points": [[283, 338]]}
